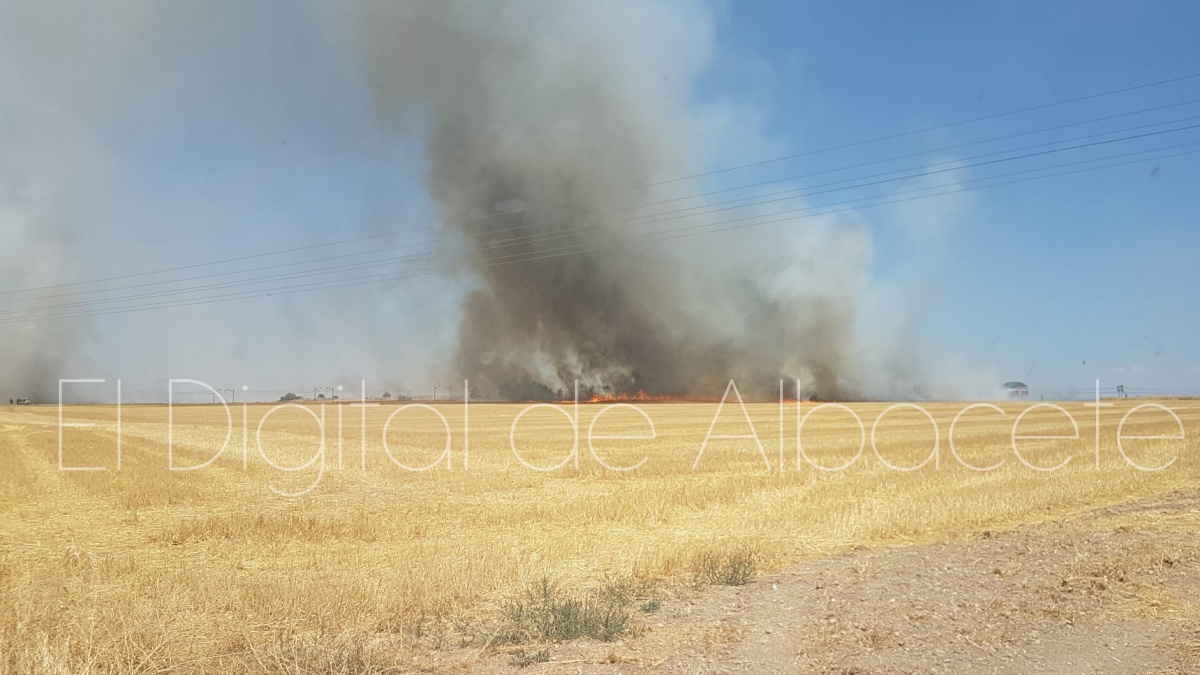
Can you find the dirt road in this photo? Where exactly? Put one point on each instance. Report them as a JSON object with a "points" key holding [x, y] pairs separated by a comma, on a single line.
{"points": [[1111, 591]]}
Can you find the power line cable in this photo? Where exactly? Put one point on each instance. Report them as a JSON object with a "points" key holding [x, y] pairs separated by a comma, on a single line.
{"points": [[807, 191], [574, 249], [536, 239], [938, 127], [878, 139]]}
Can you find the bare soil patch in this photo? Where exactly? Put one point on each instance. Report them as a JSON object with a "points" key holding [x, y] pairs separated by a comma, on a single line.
{"points": [[1111, 591]]}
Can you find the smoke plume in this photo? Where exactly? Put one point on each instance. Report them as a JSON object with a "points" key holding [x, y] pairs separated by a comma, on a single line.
{"points": [[549, 131], [51, 78], [546, 123]]}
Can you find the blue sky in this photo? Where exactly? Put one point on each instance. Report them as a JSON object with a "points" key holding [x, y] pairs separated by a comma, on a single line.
{"points": [[258, 134], [1100, 267]]}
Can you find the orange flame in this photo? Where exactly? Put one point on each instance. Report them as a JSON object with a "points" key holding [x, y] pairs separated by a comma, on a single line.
{"points": [[639, 396], [660, 398]]}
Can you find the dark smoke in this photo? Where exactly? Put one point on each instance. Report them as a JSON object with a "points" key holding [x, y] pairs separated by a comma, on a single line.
{"points": [[557, 115], [49, 76]]}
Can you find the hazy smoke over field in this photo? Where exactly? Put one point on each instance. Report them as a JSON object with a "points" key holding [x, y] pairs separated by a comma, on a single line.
{"points": [[545, 123], [33, 355], [53, 77], [546, 128]]}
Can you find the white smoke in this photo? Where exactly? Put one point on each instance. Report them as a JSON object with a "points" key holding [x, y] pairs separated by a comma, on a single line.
{"points": [[558, 114]]}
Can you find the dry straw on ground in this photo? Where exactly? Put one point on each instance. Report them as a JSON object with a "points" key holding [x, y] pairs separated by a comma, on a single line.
{"points": [[381, 569]]}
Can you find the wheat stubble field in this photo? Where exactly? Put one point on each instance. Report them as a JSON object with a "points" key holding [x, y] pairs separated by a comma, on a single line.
{"points": [[382, 569]]}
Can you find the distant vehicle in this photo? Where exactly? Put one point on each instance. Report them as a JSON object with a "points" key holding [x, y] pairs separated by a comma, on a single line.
{"points": [[24, 401], [1017, 389]]}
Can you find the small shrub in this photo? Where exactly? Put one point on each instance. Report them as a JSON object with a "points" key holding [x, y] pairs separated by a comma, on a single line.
{"points": [[523, 660], [547, 612], [324, 654], [730, 568], [627, 590]]}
